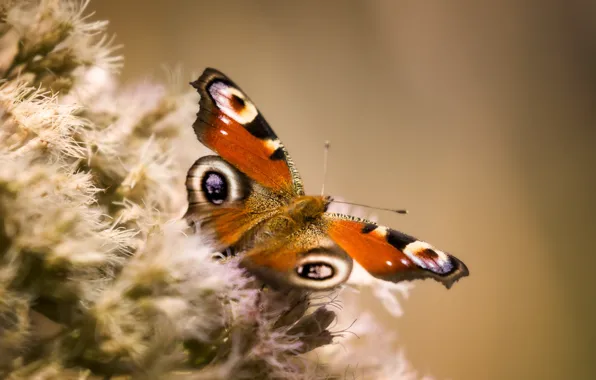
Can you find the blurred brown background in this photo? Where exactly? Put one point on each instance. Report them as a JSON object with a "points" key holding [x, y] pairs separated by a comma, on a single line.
{"points": [[477, 116]]}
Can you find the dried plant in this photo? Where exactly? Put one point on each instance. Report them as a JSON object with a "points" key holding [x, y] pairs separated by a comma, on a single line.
{"points": [[98, 276]]}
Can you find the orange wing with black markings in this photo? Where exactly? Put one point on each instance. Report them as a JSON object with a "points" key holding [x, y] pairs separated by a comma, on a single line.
{"points": [[391, 255], [229, 123]]}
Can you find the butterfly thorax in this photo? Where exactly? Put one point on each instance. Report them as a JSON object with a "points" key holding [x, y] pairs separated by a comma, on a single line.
{"points": [[299, 214], [306, 208]]}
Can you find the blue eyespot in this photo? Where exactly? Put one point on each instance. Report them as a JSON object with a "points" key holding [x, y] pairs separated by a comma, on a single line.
{"points": [[215, 187]]}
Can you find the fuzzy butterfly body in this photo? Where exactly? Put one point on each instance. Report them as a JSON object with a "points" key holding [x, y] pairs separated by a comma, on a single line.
{"points": [[249, 198]]}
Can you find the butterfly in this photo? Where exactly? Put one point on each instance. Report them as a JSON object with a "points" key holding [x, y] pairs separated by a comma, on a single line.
{"points": [[249, 198]]}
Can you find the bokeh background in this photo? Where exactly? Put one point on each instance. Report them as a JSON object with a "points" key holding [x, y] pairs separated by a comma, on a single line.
{"points": [[477, 116]]}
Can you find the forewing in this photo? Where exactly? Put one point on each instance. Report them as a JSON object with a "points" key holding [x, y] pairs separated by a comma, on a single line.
{"points": [[229, 123], [391, 255]]}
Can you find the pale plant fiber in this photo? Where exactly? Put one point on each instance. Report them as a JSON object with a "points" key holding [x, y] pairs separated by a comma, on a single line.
{"points": [[98, 277]]}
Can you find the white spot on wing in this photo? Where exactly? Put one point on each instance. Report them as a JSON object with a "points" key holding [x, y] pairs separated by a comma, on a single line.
{"points": [[415, 248], [380, 231], [272, 145], [324, 271], [223, 94]]}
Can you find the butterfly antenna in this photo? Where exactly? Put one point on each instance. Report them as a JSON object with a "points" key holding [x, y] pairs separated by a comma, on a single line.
{"points": [[397, 211], [325, 157]]}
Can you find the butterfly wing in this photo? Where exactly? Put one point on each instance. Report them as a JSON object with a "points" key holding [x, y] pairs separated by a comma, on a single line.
{"points": [[230, 195], [229, 123], [391, 255], [306, 259], [223, 203]]}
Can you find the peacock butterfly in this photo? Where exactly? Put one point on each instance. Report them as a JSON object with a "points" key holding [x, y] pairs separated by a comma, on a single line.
{"points": [[249, 198]]}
